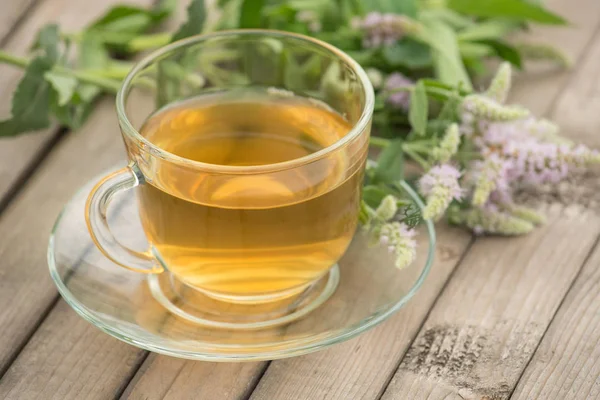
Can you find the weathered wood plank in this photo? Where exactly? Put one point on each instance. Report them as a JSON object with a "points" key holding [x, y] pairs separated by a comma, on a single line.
{"points": [[547, 82], [25, 289], [580, 102], [489, 320], [70, 361], [11, 11], [567, 363], [168, 378], [491, 316]]}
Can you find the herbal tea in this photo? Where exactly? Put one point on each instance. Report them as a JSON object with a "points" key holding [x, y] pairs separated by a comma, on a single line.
{"points": [[234, 233]]}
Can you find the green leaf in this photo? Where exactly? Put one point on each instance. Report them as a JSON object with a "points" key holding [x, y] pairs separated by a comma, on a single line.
{"points": [[92, 53], [446, 55], [474, 50], [72, 114], [449, 111], [450, 17], [373, 195], [390, 164], [125, 19], [517, 9], [196, 17], [506, 52], [64, 85], [31, 101], [163, 9], [492, 29], [405, 7], [47, 41], [419, 109], [408, 53], [251, 14]]}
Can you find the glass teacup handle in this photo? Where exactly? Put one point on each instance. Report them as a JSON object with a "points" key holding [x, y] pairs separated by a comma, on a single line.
{"points": [[96, 209]]}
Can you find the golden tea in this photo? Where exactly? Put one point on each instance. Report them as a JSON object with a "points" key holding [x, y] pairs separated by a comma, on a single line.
{"points": [[242, 232]]}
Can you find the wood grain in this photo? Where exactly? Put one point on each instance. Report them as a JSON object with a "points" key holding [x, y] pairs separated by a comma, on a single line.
{"points": [[167, 378], [491, 316], [487, 323], [70, 361], [566, 365], [540, 85], [11, 11], [26, 291]]}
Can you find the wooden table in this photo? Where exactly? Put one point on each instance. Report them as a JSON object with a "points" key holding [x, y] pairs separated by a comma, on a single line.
{"points": [[497, 318]]}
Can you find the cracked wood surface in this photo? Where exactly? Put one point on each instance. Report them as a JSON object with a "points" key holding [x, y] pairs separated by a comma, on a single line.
{"points": [[497, 318]]}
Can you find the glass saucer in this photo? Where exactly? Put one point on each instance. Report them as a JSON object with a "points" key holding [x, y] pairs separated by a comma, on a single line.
{"points": [[121, 302]]}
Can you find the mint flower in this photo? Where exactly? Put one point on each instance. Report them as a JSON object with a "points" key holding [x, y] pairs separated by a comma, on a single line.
{"points": [[399, 240], [399, 99], [387, 208], [490, 220], [501, 84], [544, 52], [440, 186], [384, 29], [488, 176], [448, 146], [490, 110]]}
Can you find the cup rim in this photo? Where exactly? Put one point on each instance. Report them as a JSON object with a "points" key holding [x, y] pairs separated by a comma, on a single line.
{"points": [[357, 128]]}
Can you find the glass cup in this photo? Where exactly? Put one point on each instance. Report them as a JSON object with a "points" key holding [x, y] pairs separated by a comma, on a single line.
{"points": [[291, 222]]}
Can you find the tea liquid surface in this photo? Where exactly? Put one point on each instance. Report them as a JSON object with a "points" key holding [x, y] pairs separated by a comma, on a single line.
{"points": [[244, 234]]}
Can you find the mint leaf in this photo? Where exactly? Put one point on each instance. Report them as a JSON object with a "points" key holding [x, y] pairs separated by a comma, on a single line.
{"points": [[72, 114], [251, 13], [505, 51], [47, 41], [92, 53], [196, 17], [447, 60], [64, 85], [408, 53], [517, 9], [492, 29], [390, 164], [162, 10], [124, 18], [418, 112], [30, 103]]}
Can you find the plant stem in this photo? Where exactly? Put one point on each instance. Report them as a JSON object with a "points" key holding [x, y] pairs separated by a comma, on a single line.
{"points": [[11, 59], [379, 141], [417, 158], [108, 85], [152, 41]]}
